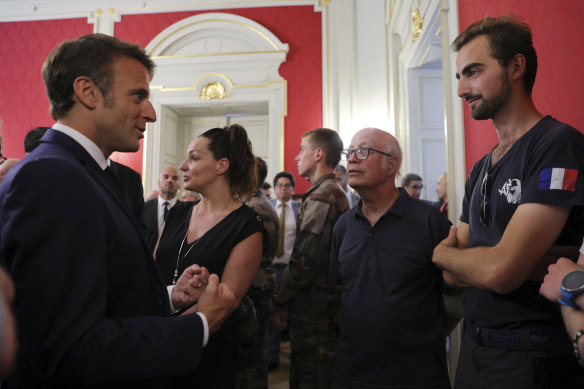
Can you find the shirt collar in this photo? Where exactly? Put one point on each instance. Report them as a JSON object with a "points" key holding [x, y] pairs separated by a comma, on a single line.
{"points": [[85, 142], [171, 202], [398, 208]]}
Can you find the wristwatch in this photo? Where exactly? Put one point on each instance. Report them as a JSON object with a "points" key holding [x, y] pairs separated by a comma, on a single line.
{"points": [[572, 286]]}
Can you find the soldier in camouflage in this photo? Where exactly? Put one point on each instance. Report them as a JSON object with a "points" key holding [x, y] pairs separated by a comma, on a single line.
{"points": [[252, 372], [311, 303]]}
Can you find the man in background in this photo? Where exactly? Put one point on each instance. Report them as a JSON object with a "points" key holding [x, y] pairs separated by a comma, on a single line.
{"points": [[33, 137], [287, 209], [352, 197], [312, 303], [442, 193], [412, 183], [155, 210]]}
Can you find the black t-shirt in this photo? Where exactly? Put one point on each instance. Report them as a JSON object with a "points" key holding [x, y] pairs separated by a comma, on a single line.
{"points": [[544, 166]]}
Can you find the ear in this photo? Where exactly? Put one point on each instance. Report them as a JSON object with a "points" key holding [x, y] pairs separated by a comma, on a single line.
{"points": [[222, 166], [516, 67], [391, 166], [318, 154], [86, 92]]}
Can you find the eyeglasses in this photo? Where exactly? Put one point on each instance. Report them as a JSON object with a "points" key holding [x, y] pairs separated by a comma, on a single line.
{"points": [[485, 214], [361, 153]]}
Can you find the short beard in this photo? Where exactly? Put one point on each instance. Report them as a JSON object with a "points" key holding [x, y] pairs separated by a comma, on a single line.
{"points": [[488, 109], [168, 193]]}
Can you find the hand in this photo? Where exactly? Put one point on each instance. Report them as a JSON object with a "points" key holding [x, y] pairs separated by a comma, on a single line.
{"points": [[280, 319], [554, 253], [216, 303], [190, 286], [6, 286], [552, 282], [439, 256]]}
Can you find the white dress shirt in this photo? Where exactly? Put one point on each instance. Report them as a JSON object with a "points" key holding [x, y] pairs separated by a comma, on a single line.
{"points": [[161, 202], [289, 232]]}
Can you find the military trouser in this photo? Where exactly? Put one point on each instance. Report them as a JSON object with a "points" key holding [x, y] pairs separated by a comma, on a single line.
{"points": [[251, 362], [314, 344]]}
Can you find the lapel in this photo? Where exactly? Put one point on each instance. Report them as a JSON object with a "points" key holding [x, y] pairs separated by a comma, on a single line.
{"points": [[94, 170]]}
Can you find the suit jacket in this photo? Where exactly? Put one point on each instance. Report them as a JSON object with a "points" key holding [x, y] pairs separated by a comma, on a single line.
{"points": [[90, 304], [130, 183], [149, 221], [295, 206]]}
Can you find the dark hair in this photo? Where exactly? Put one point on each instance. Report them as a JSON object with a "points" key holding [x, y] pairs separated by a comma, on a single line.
{"points": [[33, 137], [507, 37], [329, 141], [91, 56], [407, 180], [342, 169], [232, 143], [284, 174], [262, 169], [266, 185]]}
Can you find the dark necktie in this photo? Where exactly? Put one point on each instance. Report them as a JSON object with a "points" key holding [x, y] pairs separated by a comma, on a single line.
{"points": [[108, 170], [165, 214]]}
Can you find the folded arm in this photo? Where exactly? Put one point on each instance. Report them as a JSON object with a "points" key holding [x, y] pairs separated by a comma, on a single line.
{"points": [[505, 266]]}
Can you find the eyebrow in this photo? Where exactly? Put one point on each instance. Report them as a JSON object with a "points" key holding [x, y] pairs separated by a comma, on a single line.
{"points": [[467, 68], [143, 91]]}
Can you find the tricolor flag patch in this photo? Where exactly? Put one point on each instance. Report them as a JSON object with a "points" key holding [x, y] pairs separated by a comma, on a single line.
{"points": [[558, 179]]}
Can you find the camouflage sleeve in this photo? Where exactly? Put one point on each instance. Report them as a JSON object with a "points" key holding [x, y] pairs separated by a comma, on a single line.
{"points": [[265, 279], [311, 252]]}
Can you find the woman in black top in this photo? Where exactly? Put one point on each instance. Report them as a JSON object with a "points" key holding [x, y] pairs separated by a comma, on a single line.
{"points": [[218, 232]]}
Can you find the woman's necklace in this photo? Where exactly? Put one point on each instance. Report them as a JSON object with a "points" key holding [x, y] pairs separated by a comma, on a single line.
{"points": [[179, 261]]}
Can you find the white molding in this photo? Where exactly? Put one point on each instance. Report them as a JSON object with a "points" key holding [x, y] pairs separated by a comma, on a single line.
{"points": [[453, 118], [26, 10], [240, 54]]}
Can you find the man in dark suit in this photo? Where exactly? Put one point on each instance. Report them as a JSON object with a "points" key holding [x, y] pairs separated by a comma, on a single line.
{"points": [[91, 306], [155, 210]]}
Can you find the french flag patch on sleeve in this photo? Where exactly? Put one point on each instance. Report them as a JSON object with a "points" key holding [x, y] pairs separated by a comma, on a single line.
{"points": [[558, 178]]}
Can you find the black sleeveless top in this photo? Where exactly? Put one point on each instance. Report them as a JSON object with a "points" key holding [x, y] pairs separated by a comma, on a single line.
{"points": [[217, 368]]}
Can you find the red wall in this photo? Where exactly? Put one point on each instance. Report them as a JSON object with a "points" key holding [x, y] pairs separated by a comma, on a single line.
{"points": [[25, 45], [558, 36], [23, 100]]}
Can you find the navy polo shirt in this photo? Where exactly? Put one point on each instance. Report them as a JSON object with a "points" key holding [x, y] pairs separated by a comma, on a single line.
{"points": [[391, 303]]}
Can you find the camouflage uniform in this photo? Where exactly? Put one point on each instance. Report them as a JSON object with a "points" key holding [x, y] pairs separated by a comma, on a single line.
{"points": [[313, 303], [251, 360]]}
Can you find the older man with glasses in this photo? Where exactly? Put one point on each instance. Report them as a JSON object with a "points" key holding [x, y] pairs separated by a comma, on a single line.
{"points": [[392, 314]]}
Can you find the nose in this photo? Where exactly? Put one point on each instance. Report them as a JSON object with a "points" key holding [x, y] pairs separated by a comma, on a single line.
{"points": [[148, 112], [352, 157], [183, 166], [297, 158], [462, 89]]}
